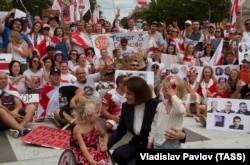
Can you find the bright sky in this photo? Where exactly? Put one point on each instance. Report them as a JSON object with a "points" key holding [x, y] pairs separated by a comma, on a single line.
{"points": [[107, 7]]}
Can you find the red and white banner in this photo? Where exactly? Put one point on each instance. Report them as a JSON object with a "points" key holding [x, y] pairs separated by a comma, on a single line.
{"points": [[5, 59], [95, 15], [81, 39], [49, 100], [217, 57], [41, 47], [83, 5], [235, 10]]}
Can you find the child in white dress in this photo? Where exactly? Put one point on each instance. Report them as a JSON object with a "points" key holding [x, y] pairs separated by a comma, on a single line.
{"points": [[169, 114]]}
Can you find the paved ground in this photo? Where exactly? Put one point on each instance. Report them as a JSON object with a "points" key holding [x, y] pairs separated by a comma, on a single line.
{"points": [[198, 137]]}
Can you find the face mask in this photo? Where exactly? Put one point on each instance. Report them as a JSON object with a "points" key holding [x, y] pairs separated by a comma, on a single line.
{"points": [[72, 29], [139, 24]]}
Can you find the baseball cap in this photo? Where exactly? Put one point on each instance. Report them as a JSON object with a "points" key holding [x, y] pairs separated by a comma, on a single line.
{"points": [[155, 23], [58, 52], [24, 19], [45, 25], [188, 22], [55, 71], [50, 47], [246, 59], [212, 25]]}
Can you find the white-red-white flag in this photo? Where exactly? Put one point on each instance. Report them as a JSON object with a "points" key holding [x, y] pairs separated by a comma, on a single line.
{"points": [[235, 10], [49, 100], [141, 2], [217, 57], [95, 15], [81, 39]]}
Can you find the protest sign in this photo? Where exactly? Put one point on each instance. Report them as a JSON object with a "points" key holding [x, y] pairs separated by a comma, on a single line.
{"points": [[125, 62], [235, 120], [48, 137], [243, 51], [136, 40], [147, 75], [5, 59], [168, 59]]}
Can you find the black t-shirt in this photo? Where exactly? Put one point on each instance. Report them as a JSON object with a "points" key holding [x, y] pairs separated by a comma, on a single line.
{"points": [[245, 92], [66, 93]]}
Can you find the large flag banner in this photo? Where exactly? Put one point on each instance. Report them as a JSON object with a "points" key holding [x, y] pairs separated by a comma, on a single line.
{"points": [[136, 40], [237, 119], [235, 10], [217, 57], [243, 51], [5, 59]]}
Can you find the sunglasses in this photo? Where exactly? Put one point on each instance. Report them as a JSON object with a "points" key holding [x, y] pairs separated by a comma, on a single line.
{"points": [[46, 28], [155, 67], [134, 65], [218, 31]]}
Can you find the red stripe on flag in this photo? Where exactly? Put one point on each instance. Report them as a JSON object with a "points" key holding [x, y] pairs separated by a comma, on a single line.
{"points": [[4, 66]]}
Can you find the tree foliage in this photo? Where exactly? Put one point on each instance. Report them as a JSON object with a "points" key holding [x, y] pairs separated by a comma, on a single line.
{"points": [[167, 10]]}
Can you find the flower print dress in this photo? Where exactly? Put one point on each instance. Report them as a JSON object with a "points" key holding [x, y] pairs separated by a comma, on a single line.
{"points": [[91, 140]]}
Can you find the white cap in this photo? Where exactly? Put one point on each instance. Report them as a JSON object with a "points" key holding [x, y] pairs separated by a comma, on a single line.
{"points": [[188, 22]]}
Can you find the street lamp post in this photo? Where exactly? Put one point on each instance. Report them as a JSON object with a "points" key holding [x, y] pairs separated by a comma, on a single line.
{"points": [[209, 7]]}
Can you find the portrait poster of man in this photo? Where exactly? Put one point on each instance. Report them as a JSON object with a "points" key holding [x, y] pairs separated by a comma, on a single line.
{"points": [[237, 118], [224, 70], [181, 71], [147, 75], [243, 51]]}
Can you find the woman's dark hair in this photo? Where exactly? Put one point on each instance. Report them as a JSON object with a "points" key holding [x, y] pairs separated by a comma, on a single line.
{"points": [[31, 60], [11, 65], [16, 20], [141, 89], [51, 59], [90, 48], [55, 32], [73, 50]]}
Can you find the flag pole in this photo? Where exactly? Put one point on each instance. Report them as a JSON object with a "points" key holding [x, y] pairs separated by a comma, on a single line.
{"points": [[113, 6]]}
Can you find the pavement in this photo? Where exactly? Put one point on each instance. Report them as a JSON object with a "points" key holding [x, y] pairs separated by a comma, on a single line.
{"points": [[197, 137]]}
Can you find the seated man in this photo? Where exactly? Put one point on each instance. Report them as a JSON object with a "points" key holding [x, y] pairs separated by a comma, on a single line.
{"points": [[11, 102], [112, 103], [58, 98], [8, 121]]}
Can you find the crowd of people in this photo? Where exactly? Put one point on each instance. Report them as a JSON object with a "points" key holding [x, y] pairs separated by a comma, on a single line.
{"points": [[57, 60]]}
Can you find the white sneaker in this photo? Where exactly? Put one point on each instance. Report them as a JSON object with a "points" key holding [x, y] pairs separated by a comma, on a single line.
{"points": [[14, 133]]}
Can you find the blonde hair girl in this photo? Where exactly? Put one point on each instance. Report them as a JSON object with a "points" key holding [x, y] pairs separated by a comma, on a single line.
{"points": [[84, 141]]}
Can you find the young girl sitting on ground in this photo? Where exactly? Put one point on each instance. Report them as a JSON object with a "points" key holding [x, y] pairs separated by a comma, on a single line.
{"points": [[84, 141], [169, 114]]}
